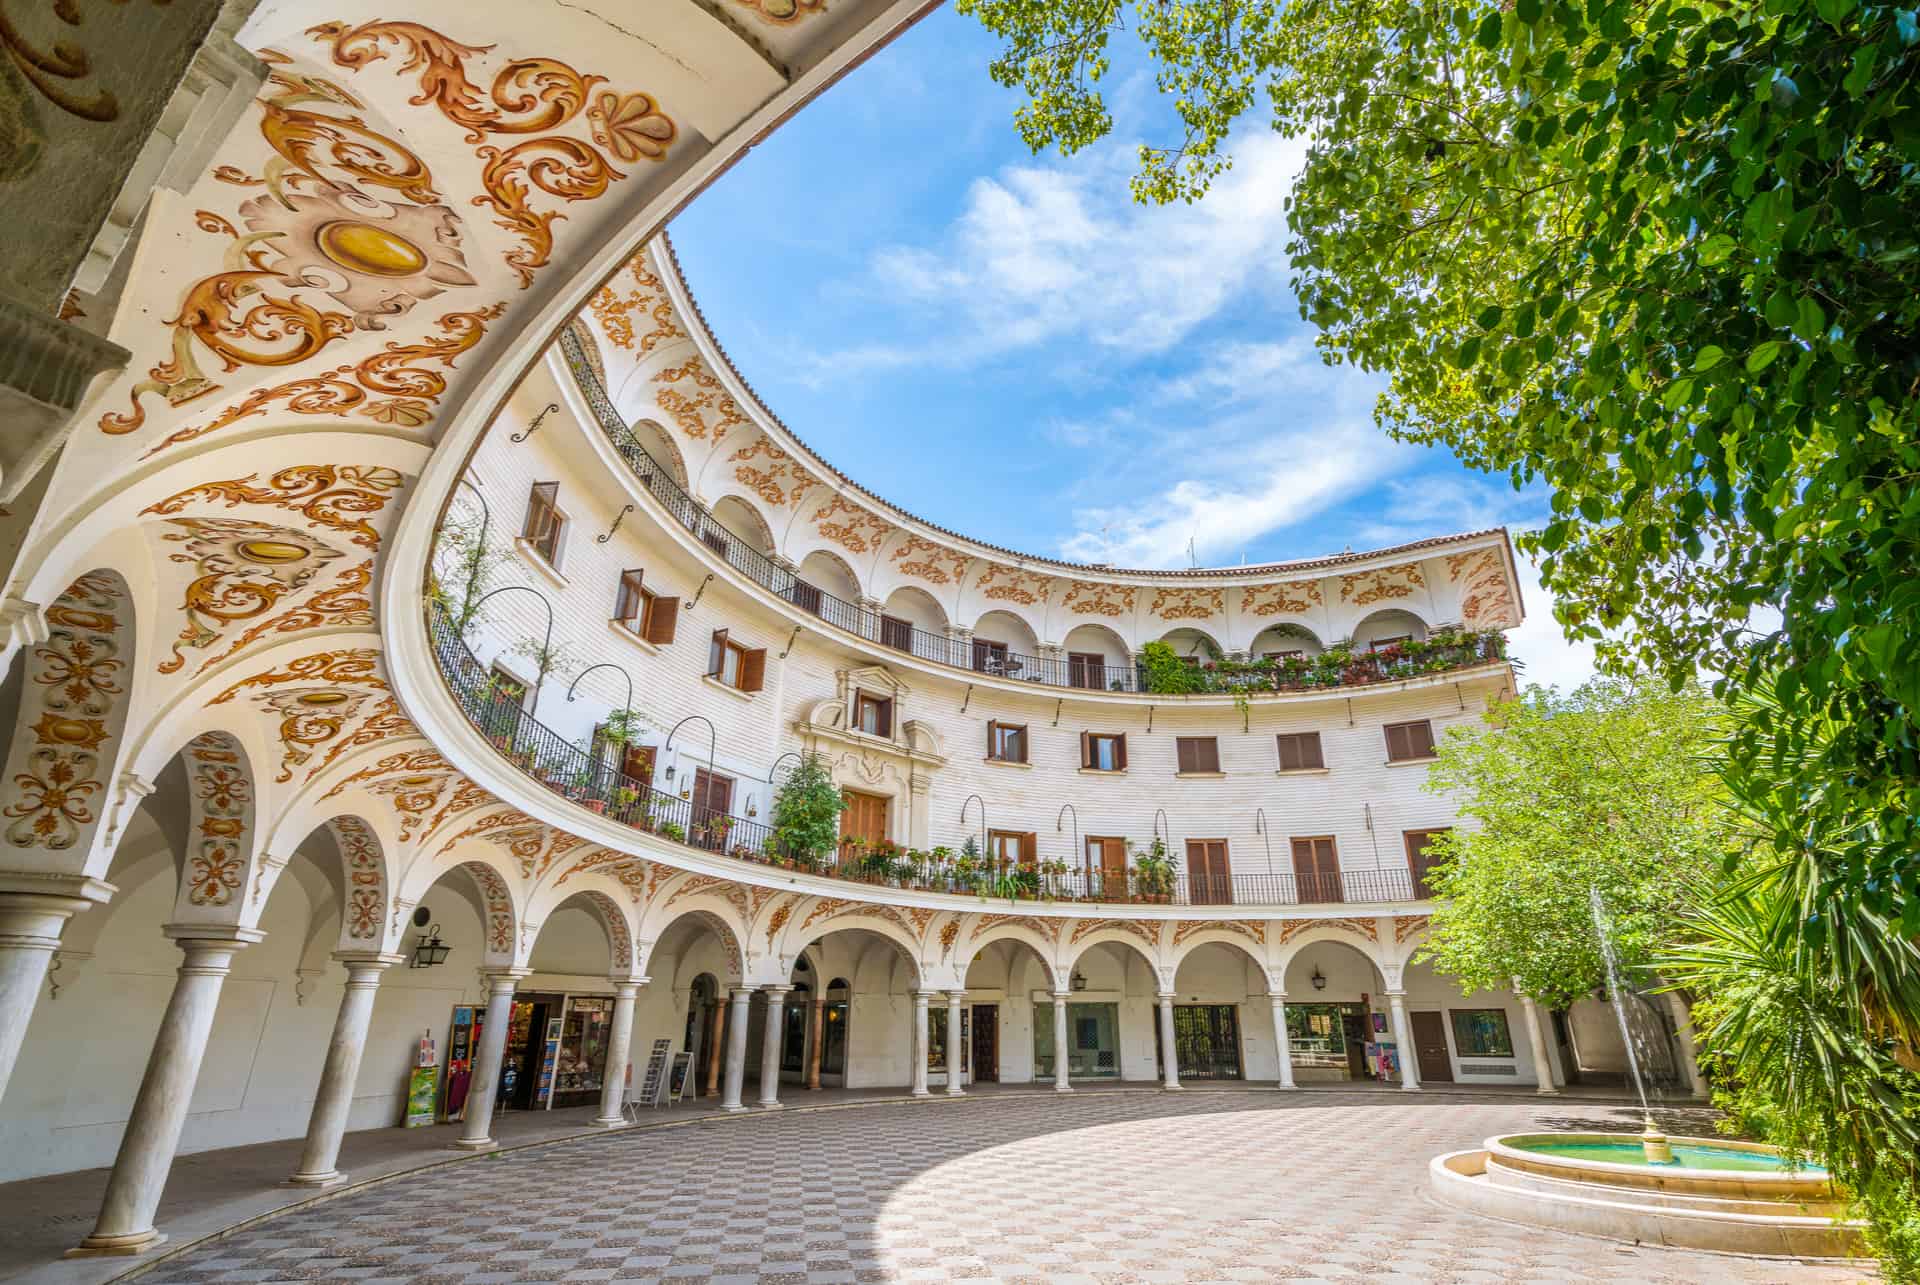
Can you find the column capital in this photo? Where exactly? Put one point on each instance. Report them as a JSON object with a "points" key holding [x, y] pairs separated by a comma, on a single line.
{"points": [[1394, 995], [1278, 997], [1063, 994], [777, 992], [368, 958], [504, 979], [1166, 997], [82, 890], [741, 994], [628, 987], [211, 936], [922, 996]]}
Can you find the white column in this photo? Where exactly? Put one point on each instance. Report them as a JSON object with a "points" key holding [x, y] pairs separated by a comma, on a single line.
{"points": [[1409, 1056], [30, 928], [1169, 1058], [737, 1049], [1060, 1076], [334, 1100], [770, 1040], [613, 1084], [1280, 1043], [956, 1056], [485, 1088], [125, 1225], [1537, 1040], [1689, 1053], [920, 1043]]}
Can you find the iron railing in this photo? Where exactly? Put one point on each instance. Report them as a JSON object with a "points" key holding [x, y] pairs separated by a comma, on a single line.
{"points": [[593, 781]]}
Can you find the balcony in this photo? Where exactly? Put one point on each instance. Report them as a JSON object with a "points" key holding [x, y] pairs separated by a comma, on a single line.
{"points": [[1337, 668], [557, 764]]}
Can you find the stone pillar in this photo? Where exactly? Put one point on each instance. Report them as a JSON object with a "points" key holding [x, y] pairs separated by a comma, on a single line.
{"points": [[125, 1225], [1409, 1056], [613, 1085], [920, 1043], [956, 1056], [816, 1040], [1280, 1042], [1061, 1082], [1689, 1051], [30, 928], [717, 1025], [1537, 1041], [770, 1041], [334, 1100], [1169, 1056], [485, 1089], [737, 1049]]}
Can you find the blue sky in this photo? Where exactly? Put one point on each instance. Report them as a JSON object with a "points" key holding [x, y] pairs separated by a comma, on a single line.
{"points": [[1008, 346]]}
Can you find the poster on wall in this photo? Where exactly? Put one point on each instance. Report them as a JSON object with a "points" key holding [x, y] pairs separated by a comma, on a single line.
{"points": [[422, 1083], [463, 1037], [549, 1059]]}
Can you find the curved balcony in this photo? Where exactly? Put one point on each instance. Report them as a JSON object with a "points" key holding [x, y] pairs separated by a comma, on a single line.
{"points": [[558, 764], [1338, 667]]}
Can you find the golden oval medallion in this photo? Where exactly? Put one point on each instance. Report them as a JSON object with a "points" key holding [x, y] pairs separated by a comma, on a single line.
{"points": [[362, 247]]}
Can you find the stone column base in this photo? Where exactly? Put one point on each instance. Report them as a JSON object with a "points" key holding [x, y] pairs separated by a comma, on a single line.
{"points": [[735, 1109], [473, 1144], [118, 1246], [315, 1180], [1063, 1088], [611, 1122]]}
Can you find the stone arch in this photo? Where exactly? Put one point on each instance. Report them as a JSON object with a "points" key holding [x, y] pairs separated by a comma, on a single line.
{"points": [[1026, 935], [1001, 625], [828, 571], [363, 864], [75, 691], [1103, 640], [807, 935], [1231, 942], [1390, 622], [659, 443], [1284, 637], [613, 922], [1187, 641], [1125, 933], [739, 518], [1296, 981], [661, 933], [221, 855], [918, 608], [502, 935]]}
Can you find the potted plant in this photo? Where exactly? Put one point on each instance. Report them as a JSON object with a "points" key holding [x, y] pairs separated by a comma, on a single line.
{"points": [[1154, 872], [624, 797], [674, 830], [805, 817]]}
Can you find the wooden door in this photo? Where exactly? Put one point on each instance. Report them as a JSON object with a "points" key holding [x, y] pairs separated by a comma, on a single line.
{"points": [[865, 819], [1316, 870], [1430, 1043], [986, 1042], [1106, 869], [1209, 881], [712, 799]]}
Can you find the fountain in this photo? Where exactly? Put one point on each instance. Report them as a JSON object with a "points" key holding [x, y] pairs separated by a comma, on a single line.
{"points": [[1695, 1193]]}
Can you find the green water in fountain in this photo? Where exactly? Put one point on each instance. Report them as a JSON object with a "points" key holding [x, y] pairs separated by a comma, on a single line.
{"points": [[1685, 1156]]}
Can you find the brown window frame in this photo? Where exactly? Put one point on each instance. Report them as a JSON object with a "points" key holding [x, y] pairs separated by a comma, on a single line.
{"points": [[749, 663], [1087, 670], [1404, 750], [642, 612], [990, 657], [545, 525], [864, 700], [1381, 644], [1196, 755], [1087, 756], [1320, 881], [1417, 843], [1214, 887], [1025, 843], [1300, 740], [994, 728], [896, 633]]}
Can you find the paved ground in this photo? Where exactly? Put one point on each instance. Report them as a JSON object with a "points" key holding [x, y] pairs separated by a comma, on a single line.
{"points": [[1116, 1187]]}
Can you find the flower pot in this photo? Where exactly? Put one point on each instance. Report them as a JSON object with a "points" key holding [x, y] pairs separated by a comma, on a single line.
{"points": [[597, 806]]}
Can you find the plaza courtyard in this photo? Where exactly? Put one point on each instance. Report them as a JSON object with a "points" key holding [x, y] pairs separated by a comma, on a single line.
{"points": [[1116, 1186]]}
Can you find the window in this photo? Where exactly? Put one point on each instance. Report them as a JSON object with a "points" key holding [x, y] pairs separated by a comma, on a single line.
{"points": [[1300, 752], [1106, 868], [1409, 741], [1013, 847], [1087, 669], [1103, 751], [545, 522], [1481, 1032], [1209, 878], [896, 633], [1420, 860], [1381, 644], [712, 801], [806, 596], [989, 657], [1316, 869], [715, 539], [1294, 654], [873, 714], [1197, 753], [736, 666], [644, 612], [1007, 742]]}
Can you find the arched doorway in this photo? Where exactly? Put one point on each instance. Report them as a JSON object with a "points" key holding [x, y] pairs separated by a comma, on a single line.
{"points": [[1338, 1025]]}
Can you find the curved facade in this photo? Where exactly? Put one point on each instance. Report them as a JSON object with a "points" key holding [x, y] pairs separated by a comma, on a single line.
{"points": [[273, 737]]}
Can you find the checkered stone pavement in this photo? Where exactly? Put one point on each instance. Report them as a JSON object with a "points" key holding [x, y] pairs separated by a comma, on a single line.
{"points": [[1135, 1187]]}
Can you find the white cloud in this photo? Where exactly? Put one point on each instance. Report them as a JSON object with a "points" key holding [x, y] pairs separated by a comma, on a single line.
{"points": [[1548, 658]]}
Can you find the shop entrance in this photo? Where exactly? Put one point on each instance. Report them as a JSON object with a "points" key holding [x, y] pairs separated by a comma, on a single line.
{"points": [[1093, 1041], [535, 1018], [986, 1042], [578, 1077], [1206, 1040], [1430, 1042], [1328, 1041]]}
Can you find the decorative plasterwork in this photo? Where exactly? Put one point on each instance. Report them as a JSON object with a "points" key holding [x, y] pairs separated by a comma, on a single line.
{"points": [[346, 604], [366, 877], [1010, 584], [335, 497], [1407, 925], [466, 796], [778, 919], [691, 393], [241, 571], [1046, 929], [315, 700], [619, 939], [488, 824], [719, 885], [220, 802], [781, 481], [925, 560], [1358, 927], [384, 723], [1364, 588], [647, 302], [499, 904], [1253, 929], [784, 12], [1187, 604], [535, 847], [1288, 598], [1138, 928], [1097, 598], [1486, 600], [406, 762], [851, 527]]}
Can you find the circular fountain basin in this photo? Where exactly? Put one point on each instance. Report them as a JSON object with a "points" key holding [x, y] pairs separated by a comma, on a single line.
{"points": [[1732, 1197]]}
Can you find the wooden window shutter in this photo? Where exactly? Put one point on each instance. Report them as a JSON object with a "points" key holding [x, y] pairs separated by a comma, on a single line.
{"points": [[541, 502], [993, 737], [626, 604], [1086, 749], [886, 712], [1310, 755], [717, 654], [1183, 749], [1029, 848], [1198, 753], [1120, 752], [1396, 742], [753, 671], [1420, 738], [662, 619], [1303, 858]]}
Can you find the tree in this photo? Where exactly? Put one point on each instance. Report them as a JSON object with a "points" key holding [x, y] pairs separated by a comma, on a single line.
{"points": [[806, 811], [1664, 255], [1610, 787]]}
